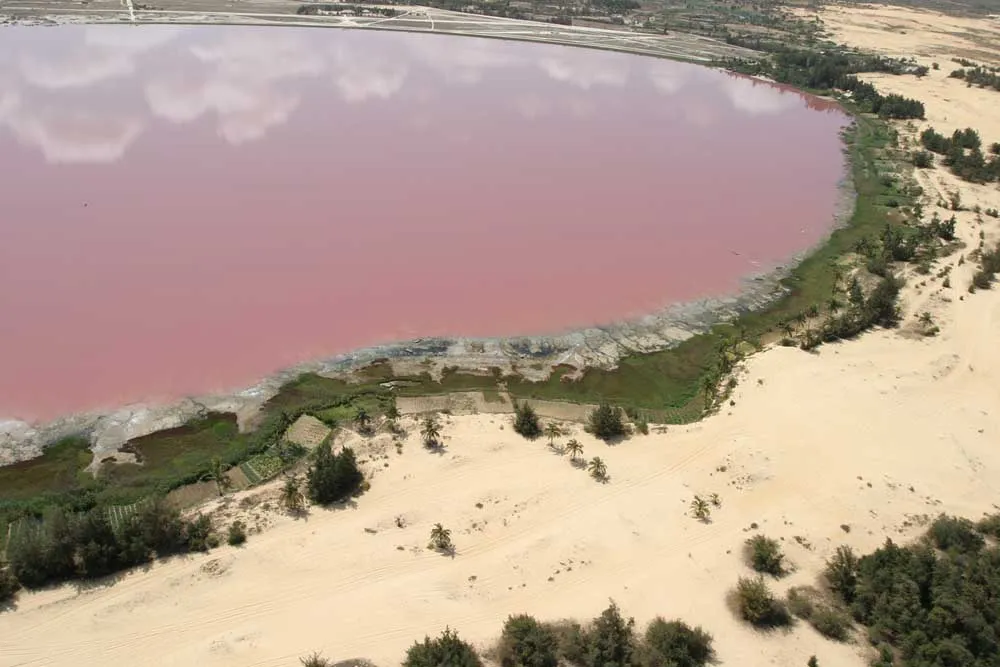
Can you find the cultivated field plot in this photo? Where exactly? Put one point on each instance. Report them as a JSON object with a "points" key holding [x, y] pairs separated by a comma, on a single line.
{"points": [[262, 467]]}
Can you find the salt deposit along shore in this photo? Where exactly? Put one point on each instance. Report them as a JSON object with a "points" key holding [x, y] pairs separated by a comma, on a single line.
{"points": [[854, 443]]}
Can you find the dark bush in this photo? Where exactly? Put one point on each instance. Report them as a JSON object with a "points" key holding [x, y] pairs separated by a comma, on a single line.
{"points": [[526, 420], [923, 159], [448, 650], [607, 422], [9, 586], [527, 643], [197, 533], [990, 526], [332, 477], [237, 534], [675, 644], [764, 555]]}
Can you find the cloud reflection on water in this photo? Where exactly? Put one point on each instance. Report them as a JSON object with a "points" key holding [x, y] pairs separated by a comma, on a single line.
{"points": [[250, 81]]}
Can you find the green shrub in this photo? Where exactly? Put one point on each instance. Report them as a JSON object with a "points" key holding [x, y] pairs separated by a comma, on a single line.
{"points": [[237, 534], [526, 420], [527, 643], [572, 641], [448, 650], [831, 623], [923, 159], [315, 660], [675, 644], [764, 555], [607, 422], [197, 533], [954, 534], [757, 605]]}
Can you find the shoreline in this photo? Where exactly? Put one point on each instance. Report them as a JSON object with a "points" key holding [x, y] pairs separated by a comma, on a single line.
{"points": [[592, 347]]}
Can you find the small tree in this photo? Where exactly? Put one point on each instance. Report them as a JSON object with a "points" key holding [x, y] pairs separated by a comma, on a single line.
{"points": [[574, 448], [764, 555], [597, 469], [291, 495], [431, 432], [813, 662], [610, 642], [552, 431], [363, 421], [217, 473], [607, 422], [448, 650], [527, 643], [841, 573], [526, 420], [757, 605], [701, 509], [441, 538]]}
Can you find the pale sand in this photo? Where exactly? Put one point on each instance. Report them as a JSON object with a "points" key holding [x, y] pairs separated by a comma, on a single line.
{"points": [[877, 434]]}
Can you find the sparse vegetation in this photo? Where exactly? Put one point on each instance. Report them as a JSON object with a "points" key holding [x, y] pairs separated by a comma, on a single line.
{"points": [[291, 495]]}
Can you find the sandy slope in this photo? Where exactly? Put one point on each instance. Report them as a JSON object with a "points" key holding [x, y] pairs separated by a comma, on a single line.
{"points": [[875, 434]]}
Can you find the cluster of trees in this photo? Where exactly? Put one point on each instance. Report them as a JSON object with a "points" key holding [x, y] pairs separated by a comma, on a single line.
{"points": [[333, 478], [963, 154], [885, 106], [836, 70], [935, 603], [879, 308], [610, 640], [979, 76], [85, 545], [312, 10]]}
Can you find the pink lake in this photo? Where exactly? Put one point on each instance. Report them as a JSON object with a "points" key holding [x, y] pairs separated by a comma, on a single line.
{"points": [[189, 209]]}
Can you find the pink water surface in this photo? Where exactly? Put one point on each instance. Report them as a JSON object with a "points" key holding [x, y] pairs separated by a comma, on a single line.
{"points": [[184, 210]]}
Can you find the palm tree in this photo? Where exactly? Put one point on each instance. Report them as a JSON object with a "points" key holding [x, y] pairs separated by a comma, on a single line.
{"points": [[926, 319], [291, 495], [217, 474], [431, 431], [362, 420], [553, 431], [597, 469], [574, 448], [787, 327], [441, 538], [700, 508]]}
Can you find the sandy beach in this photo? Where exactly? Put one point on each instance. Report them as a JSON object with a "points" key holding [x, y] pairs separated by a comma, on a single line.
{"points": [[852, 444]]}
